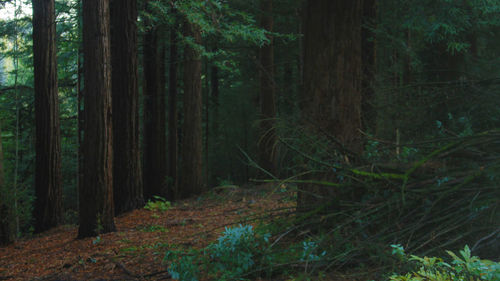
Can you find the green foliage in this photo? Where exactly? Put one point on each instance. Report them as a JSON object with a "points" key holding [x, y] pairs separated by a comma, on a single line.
{"points": [[461, 268], [234, 255], [311, 252], [183, 267], [241, 253], [236, 251], [160, 205], [153, 228]]}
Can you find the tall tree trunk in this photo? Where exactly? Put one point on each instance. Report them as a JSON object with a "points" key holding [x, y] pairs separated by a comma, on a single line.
{"points": [[154, 159], [368, 62], [6, 234], [214, 96], [332, 79], [79, 104], [191, 178], [48, 188], [214, 84], [333, 69], [267, 139], [162, 117], [127, 183], [79, 97], [96, 192], [172, 116]]}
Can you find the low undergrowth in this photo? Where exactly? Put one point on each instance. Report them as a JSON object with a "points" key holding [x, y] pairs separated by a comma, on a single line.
{"points": [[444, 196], [242, 253], [461, 267]]}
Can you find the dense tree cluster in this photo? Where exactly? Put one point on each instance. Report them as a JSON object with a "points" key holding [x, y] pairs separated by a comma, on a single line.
{"points": [[106, 104]]}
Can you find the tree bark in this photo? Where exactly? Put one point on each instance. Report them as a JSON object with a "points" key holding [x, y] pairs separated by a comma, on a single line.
{"points": [[267, 99], [6, 235], [96, 192], [214, 84], [155, 158], [48, 188], [192, 141], [333, 69], [333, 76], [172, 116], [127, 183], [368, 61]]}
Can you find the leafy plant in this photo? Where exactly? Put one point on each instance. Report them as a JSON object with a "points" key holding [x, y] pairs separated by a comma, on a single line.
{"points": [[160, 204], [153, 228], [310, 252], [182, 267], [236, 250], [234, 254], [461, 268]]}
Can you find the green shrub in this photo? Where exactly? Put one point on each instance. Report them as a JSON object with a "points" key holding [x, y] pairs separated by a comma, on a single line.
{"points": [[183, 267], [236, 253], [464, 268], [160, 204]]}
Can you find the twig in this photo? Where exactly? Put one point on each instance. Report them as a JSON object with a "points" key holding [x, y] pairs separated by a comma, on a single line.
{"points": [[485, 238]]}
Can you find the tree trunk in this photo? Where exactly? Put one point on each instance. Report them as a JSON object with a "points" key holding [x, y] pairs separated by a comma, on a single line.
{"points": [[368, 61], [48, 188], [155, 158], [6, 234], [267, 139], [96, 192], [127, 183], [332, 69], [214, 84], [332, 81], [172, 116], [192, 141]]}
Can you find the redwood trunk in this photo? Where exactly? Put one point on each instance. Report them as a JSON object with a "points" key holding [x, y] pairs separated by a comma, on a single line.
{"points": [[154, 158], [368, 57], [127, 184], [267, 139], [96, 192], [215, 99], [333, 78], [333, 69], [172, 116], [48, 188], [6, 236], [192, 142]]}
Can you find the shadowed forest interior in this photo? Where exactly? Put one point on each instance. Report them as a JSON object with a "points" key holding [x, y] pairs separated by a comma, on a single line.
{"points": [[295, 139]]}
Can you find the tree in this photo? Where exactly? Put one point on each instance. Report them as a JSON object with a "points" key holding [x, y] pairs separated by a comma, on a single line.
{"points": [[48, 188], [332, 79], [155, 158], [96, 192], [191, 181], [368, 62], [6, 236], [127, 177], [172, 113], [267, 99], [333, 69]]}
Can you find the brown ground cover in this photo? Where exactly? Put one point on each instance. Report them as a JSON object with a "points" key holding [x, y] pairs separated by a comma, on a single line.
{"points": [[136, 250]]}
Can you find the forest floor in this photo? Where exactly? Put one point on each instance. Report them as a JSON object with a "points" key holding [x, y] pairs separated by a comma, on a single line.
{"points": [[136, 250]]}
